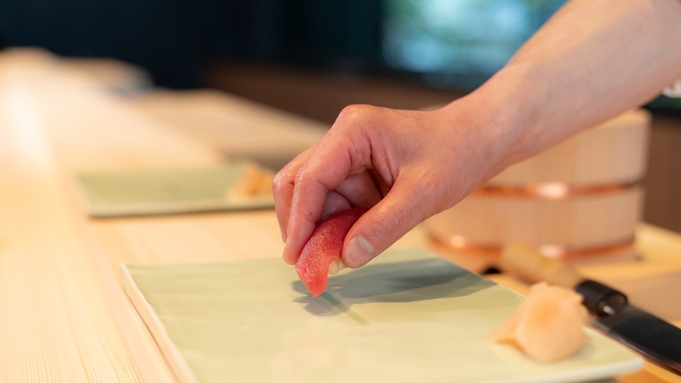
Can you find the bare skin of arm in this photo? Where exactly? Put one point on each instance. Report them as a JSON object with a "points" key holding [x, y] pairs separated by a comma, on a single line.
{"points": [[592, 60]]}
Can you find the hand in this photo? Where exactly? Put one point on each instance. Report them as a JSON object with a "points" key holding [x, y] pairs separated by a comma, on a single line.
{"points": [[591, 61], [404, 165]]}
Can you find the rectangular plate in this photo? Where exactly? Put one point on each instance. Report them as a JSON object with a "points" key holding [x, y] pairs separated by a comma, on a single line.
{"points": [[406, 317], [166, 191]]}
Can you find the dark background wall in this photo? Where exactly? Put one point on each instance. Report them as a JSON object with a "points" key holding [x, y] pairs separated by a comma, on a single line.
{"points": [[174, 39]]}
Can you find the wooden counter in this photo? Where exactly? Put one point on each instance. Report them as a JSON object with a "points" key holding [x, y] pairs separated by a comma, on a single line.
{"points": [[64, 314]]}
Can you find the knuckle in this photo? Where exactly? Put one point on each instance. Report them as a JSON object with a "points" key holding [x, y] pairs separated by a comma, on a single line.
{"points": [[354, 114], [300, 176], [279, 181]]}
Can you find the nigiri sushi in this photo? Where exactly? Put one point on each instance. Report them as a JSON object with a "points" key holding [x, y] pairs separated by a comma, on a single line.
{"points": [[321, 254]]}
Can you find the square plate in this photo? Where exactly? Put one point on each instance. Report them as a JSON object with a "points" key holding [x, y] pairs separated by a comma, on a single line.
{"points": [[406, 317], [149, 192]]}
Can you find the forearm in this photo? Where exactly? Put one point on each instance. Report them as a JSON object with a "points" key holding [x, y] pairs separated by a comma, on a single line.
{"points": [[594, 59]]}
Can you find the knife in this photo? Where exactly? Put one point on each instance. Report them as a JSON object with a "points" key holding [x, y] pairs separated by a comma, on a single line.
{"points": [[640, 330]]}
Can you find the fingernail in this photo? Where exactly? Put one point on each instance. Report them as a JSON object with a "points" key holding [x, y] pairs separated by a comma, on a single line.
{"points": [[359, 251]]}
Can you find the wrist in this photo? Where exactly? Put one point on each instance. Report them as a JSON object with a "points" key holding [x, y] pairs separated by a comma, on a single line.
{"points": [[503, 117]]}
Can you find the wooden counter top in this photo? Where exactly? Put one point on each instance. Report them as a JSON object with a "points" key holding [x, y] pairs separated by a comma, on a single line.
{"points": [[64, 314]]}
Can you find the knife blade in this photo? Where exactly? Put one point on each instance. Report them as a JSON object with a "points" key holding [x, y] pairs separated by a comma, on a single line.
{"points": [[615, 316]]}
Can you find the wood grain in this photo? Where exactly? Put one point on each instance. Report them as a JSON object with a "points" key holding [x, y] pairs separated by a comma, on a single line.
{"points": [[614, 152], [65, 317], [232, 125], [553, 199]]}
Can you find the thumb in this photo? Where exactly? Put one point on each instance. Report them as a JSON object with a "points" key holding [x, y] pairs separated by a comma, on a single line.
{"points": [[408, 203]]}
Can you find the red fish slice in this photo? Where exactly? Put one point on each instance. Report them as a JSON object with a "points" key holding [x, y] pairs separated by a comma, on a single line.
{"points": [[323, 248]]}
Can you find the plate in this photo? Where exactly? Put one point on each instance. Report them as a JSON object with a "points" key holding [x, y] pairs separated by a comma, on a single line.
{"points": [[408, 316], [166, 191]]}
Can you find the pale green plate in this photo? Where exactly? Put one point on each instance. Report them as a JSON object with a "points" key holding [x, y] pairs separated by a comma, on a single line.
{"points": [[406, 317], [165, 191]]}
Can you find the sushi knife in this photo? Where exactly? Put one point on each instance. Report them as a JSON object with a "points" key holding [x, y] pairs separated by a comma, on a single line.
{"points": [[636, 328]]}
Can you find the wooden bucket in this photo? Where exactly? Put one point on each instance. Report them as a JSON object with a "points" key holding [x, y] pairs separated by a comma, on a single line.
{"points": [[581, 197]]}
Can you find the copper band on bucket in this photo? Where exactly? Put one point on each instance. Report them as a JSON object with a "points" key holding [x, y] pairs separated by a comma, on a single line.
{"points": [[552, 190]]}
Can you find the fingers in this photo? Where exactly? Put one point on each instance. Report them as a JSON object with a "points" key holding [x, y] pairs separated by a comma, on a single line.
{"points": [[361, 190], [339, 159], [335, 202], [339, 163], [409, 202], [357, 191], [323, 171], [282, 187], [354, 185]]}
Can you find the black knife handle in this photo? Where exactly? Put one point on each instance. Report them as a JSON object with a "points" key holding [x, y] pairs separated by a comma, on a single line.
{"points": [[597, 296]]}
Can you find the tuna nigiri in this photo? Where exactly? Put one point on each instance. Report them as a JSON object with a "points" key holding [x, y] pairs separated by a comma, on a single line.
{"points": [[323, 249]]}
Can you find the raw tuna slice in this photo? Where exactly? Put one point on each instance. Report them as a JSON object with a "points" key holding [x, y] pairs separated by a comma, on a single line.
{"points": [[323, 248]]}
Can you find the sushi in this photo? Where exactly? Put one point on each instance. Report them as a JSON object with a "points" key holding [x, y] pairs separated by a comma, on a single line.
{"points": [[321, 254]]}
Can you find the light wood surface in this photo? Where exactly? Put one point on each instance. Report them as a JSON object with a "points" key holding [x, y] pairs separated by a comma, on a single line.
{"points": [[236, 127], [582, 222], [64, 314], [526, 262], [613, 152]]}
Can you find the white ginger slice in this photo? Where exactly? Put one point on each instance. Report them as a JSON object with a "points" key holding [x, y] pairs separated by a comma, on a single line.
{"points": [[547, 326]]}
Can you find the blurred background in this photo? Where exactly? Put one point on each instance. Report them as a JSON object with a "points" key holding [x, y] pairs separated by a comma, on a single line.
{"points": [[453, 44], [315, 57], [450, 45]]}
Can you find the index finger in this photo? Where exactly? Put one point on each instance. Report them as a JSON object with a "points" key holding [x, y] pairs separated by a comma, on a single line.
{"points": [[282, 188], [330, 164]]}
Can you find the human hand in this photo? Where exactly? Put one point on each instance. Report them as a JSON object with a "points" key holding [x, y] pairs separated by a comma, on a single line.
{"points": [[404, 165], [409, 165]]}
